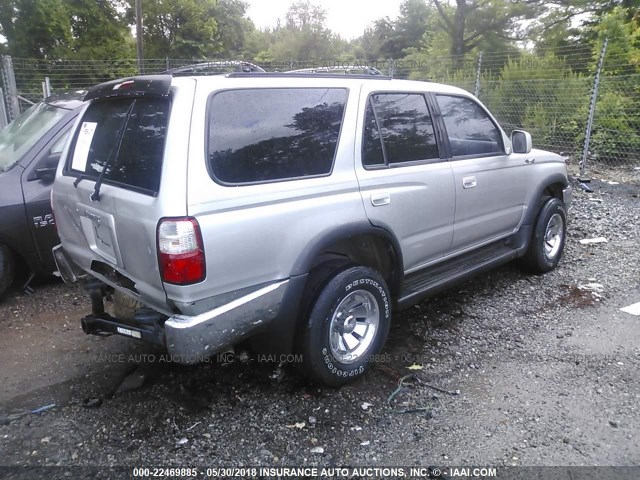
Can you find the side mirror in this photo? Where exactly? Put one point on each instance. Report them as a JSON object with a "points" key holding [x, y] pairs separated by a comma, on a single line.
{"points": [[46, 174], [521, 141]]}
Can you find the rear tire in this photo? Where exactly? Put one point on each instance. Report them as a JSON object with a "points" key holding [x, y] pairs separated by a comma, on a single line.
{"points": [[7, 269], [548, 238], [347, 326]]}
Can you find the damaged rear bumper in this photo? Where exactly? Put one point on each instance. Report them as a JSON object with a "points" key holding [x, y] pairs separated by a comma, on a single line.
{"points": [[188, 338]]}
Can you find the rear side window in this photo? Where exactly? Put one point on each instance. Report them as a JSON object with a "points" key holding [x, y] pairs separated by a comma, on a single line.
{"points": [[126, 135], [262, 135], [471, 131], [398, 128]]}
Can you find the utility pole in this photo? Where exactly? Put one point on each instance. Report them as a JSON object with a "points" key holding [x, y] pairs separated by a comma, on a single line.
{"points": [[139, 45]]}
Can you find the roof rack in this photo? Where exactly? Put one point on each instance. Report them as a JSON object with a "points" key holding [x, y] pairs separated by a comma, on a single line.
{"points": [[307, 75], [346, 70], [215, 68]]}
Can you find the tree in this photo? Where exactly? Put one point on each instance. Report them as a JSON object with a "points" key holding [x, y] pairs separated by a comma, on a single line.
{"points": [[468, 22], [99, 31], [304, 35], [394, 39], [36, 28], [178, 28], [233, 30]]}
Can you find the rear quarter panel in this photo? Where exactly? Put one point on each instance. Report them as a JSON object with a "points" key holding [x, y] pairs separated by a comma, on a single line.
{"points": [[255, 233]]}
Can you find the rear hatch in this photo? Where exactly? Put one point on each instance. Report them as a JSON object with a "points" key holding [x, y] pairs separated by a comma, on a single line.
{"points": [[129, 145]]}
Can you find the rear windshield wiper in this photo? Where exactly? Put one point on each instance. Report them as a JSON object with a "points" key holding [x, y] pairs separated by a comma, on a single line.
{"points": [[115, 151]]}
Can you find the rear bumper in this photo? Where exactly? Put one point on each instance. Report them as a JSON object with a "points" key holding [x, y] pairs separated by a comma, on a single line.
{"points": [[69, 271], [190, 339]]}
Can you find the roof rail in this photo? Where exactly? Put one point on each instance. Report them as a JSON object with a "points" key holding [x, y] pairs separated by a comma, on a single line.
{"points": [[216, 67], [346, 70], [306, 75]]}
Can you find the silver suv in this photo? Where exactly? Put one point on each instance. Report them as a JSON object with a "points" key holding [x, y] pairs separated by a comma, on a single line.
{"points": [[297, 210]]}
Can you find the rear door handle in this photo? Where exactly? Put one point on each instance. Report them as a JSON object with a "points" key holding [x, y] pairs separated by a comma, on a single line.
{"points": [[380, 199], [469, 182]]}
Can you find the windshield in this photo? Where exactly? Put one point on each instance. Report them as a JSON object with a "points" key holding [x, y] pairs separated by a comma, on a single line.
{"points": [[21, 134]]}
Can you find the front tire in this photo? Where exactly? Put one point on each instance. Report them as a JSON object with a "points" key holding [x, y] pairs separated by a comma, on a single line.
{"points": [[7, 269], [347, 326], [548, 238]]}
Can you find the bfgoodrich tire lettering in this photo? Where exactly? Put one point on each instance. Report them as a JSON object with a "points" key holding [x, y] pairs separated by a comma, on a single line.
{"points": [[347, 326], [548, 238]]}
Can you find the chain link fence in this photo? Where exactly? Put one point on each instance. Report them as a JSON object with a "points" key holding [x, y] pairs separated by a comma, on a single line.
{"points": [[548, 93]]}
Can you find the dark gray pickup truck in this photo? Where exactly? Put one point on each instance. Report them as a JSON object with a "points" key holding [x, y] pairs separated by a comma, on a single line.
{"points": [[30, 149]]}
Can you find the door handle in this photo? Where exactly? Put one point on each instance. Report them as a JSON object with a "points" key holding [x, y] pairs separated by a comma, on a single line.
{"points": [[469, 182], [530, 160], [380, 199]]}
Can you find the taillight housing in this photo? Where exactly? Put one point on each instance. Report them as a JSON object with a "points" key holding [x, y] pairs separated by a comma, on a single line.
{"points": [[180, 251]]}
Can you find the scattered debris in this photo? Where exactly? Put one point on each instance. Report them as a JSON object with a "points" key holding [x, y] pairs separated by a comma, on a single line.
{"points": [[415, 367], [365, 443], [591, 241], [592, 287], [182, 441], [611, 182], [633, 309], [318, 450], [366, 405], [43, 409], [356, 428], [92, 402], [312, 420], [10, 418], [193, 426], [298, 425]]}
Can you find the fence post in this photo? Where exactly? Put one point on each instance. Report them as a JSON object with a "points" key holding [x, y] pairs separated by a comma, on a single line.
{"points": [[592, 109], [11, 95], [3, 111], [476, 90]]}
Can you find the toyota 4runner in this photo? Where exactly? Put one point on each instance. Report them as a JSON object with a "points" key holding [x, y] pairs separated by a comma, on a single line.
{"points": [[298, 210]]}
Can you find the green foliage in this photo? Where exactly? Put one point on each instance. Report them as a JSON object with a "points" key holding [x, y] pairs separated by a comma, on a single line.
{"points": [[394, 39], [178, 28], [36, 28]]}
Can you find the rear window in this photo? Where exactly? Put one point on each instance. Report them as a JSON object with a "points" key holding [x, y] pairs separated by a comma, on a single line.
{"points": [[127, 135], [262, 135]]}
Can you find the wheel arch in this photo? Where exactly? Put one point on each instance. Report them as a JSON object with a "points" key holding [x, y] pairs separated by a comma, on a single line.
{"points": [[361, 243], [552, 186]]}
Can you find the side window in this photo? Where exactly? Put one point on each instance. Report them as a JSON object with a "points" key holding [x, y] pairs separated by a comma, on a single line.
{"points": [[59, 145], [403, 127], [470, 130], [260, 135]]}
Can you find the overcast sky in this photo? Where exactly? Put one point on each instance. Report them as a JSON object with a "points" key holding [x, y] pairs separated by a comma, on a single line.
{"points": [[348, 18]]}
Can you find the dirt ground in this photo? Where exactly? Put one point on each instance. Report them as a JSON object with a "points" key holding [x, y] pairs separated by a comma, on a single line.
{"points": [[527, 370]]}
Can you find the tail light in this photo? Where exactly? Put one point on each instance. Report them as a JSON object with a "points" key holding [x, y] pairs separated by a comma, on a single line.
{"points": [[180, 251]]}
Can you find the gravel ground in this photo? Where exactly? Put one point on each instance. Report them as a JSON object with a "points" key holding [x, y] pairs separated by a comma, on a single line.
{"points": [[529, 370]]}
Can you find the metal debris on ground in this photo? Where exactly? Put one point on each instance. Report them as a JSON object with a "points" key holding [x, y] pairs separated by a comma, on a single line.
{"points": [[10, 418]]}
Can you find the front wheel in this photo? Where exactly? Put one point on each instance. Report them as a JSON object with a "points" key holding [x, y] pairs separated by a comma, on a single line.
{"points": [[547, 242], [7, 269], [347, 326]]}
